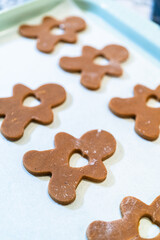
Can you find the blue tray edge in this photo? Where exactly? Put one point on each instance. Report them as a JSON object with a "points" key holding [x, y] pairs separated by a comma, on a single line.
{"points": [[143, 32]]}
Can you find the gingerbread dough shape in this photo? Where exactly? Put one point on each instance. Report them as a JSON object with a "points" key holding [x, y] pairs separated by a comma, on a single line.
{"points": [[92, 73], [147, 118], [132, 211], [94, 145], [45, 39], [17, 117]]}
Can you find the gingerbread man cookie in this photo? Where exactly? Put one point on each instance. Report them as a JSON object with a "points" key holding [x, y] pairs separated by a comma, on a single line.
{"points": [[95, 145], [17, 117], [132, 211], [92, 73], [147, 118], [45, 39]]}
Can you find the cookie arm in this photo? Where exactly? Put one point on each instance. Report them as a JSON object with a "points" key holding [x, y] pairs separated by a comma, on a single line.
{"points": [[42, 115], [12, 128], [21, 91], [123, 107], [100, 230], [89, 52], [95, 171], [29, 31], [133, 208], [71, 64], [38, 163], [113, 69], [142, 90]]}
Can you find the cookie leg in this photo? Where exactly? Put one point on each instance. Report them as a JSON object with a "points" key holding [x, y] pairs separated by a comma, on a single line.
{"points": [[46, 43], [12, 128], [95, 171], [62, 190]]}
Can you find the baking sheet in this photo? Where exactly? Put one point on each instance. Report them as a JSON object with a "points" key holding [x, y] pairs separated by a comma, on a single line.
{"points": [[26, 210]]}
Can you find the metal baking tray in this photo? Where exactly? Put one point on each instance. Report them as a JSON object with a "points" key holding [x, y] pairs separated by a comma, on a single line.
{"points": [[26, 210]]}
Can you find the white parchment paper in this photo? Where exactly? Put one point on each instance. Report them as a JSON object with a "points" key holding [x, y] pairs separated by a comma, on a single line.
{"points": [[26, 210]]}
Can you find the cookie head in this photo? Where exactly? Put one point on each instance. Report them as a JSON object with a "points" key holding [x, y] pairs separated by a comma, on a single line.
{"points": [[45, 94], [99, 143], [74, 24], [116, 53]]}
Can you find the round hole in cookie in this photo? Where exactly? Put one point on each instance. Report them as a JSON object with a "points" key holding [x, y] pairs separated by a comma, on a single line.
{"points": [[100, 60], [31, 101], [147, 229], [77, 160], [57, 31], [153, 102]]}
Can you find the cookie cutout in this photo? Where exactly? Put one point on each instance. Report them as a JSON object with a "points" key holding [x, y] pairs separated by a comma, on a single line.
{"points": [[132, 211], [17, 116], [92, 73], [45, 39], [147, 118], [94, 145]]}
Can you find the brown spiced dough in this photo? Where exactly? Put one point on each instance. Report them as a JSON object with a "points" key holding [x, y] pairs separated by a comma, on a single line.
{"points": [[92, 73], [94, 145], [132, 211], [147, 118], [17, 116], [45, 39]]}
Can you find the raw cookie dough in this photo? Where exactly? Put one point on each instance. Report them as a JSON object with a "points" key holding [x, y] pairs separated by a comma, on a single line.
{"points": [[17, 116], [94, 145], [147, 118], [45, 39], [92, 73], [132, 211]]}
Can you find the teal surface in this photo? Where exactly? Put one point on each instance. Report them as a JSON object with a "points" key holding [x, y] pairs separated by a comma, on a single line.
{"points": [[143, 32]]}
